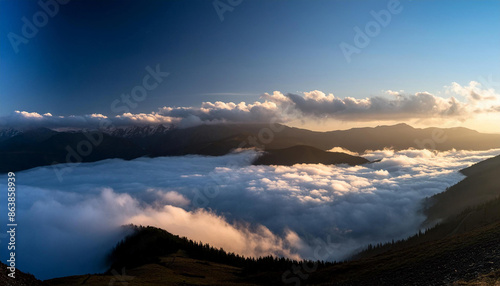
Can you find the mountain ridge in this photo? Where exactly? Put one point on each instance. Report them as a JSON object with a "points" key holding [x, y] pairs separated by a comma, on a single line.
{"points": [[303, 154], [37, 147]]}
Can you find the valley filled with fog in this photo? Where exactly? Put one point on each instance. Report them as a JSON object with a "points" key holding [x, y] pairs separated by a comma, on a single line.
{"points": [[68, 227]]}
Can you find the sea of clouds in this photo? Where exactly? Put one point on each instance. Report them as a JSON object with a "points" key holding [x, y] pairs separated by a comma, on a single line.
{"points": [[302, 211]]}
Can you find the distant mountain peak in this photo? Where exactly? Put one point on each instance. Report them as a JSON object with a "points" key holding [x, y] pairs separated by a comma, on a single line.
{"points": [[8, 133], [135, 131], [399, 125]]}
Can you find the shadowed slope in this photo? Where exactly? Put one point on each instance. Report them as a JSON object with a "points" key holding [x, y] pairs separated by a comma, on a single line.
{"points": [[306, 155], [481, 185], [21, 278]]}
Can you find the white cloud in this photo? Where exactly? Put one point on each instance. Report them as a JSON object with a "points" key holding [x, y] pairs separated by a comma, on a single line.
{"points": [[220, 112], [472, 92], [208, 227], [170, 197], [29, 114], [418, 105], [145, 118], [343, 150], [93, 115], [225, 201], [280, 107], [394, 93]]}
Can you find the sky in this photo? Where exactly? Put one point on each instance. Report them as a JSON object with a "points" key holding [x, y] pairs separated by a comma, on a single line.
{"points": [[82, 57]]}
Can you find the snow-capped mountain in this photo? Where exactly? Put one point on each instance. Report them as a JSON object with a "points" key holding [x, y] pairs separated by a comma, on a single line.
{"points": [[8, 133], [140, 131]]}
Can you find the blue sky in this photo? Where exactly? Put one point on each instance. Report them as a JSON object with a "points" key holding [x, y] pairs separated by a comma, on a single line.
{"points": [[90, 52]]}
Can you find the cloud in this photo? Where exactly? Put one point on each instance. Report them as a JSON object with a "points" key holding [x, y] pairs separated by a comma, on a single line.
{"points": [[24, 119], [208, 113], [472, 92], [343, 150], [221, 112], [208, 227], [29, 114], [225, 201], [144, 118], [279, 107], [169, 197], [401, 106]]}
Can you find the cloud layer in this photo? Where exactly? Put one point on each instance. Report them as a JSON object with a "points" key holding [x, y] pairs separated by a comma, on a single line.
{"points": [[461, 102], [67, 227]]}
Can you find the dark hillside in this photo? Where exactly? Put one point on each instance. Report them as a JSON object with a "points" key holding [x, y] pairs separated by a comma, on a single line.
{"points": [[306, 155], [481, 185], [460, 257]]}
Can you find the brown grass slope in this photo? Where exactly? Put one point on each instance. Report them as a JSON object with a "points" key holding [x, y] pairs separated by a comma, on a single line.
{"points": [[465, 243], [174, 269], [464, 257], [152, 256], [460, 257], [21, 278], [469, 220]]}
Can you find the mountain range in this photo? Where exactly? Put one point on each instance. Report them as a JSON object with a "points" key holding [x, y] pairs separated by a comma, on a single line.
{"points": [[21, 150], [459, 244]]}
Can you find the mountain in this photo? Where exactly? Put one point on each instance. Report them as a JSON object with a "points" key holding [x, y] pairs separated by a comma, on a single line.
{"points": [[480, 186], [464, 257], [482, 167], [463, 248], [306, 155], [140, 131], [41, 147], [27, 138], [468, 214], [153, 256], [8, 133], [401, 136], [21, 278]]}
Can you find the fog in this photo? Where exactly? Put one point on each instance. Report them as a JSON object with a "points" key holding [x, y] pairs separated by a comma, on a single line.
{"points": [[67, 227]]}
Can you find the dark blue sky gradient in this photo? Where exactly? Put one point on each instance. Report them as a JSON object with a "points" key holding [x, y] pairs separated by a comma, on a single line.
{"points": [[93, 51]]}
